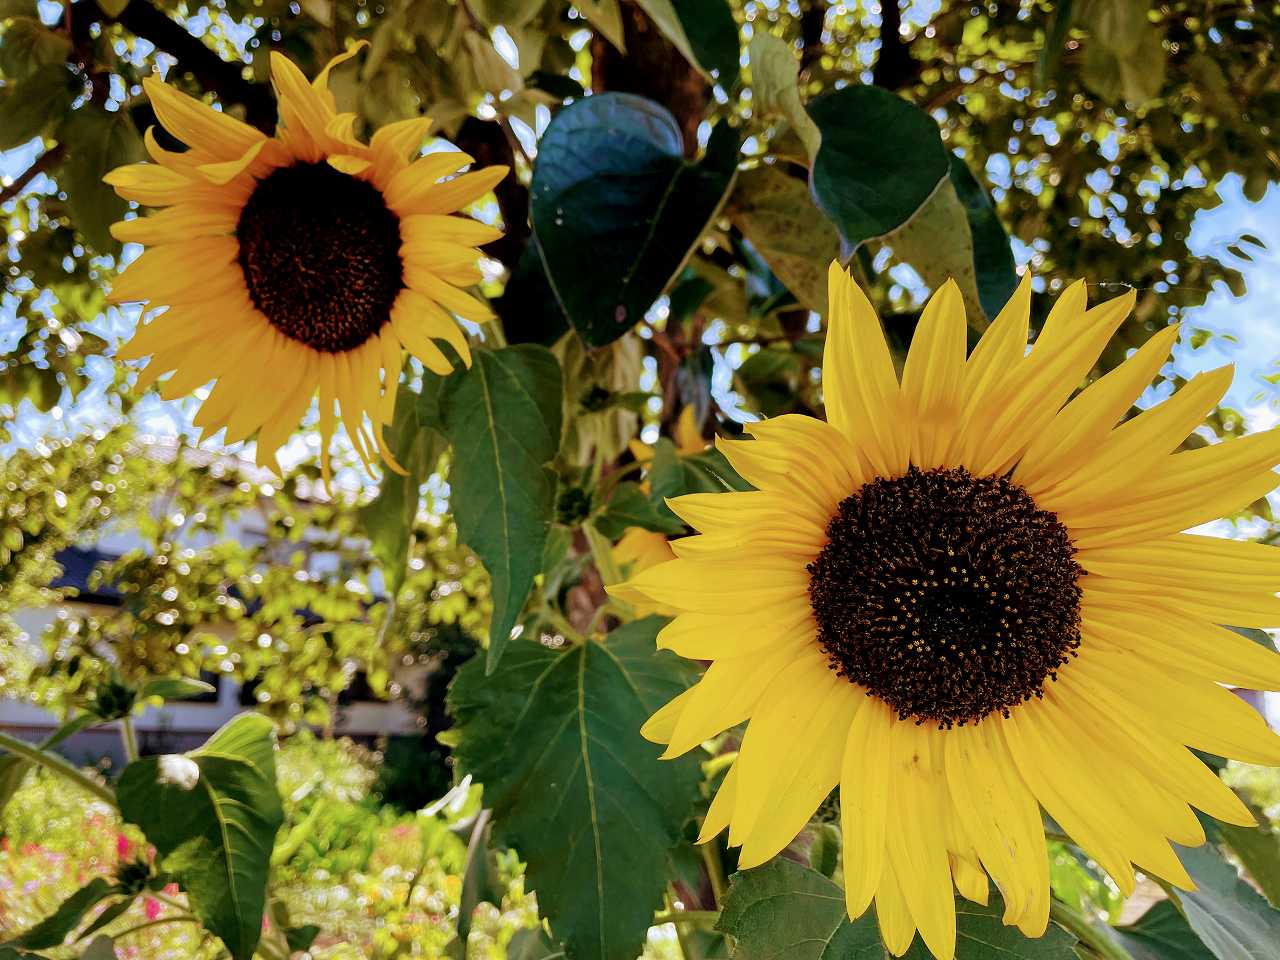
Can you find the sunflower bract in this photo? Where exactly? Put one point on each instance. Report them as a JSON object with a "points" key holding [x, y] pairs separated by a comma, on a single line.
{"points": [[968, 596]]}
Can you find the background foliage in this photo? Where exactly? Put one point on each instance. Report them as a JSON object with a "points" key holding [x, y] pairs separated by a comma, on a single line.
{"points": [[659, 282]]}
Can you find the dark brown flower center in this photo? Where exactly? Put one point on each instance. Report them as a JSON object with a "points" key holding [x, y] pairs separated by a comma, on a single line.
{"points": [[320, 253], [948, 596]]}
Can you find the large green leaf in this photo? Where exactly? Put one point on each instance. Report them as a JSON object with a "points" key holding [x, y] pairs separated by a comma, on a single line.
{"points": [[785, 910], [99, 141], [53, 929], [992, 254], [388, 519], [776, 214], [554, 736], [503, 419], [533, 944], [1230, 917], [28, 46], [881, 158], [35, 102], [1162, 933], [212, 816], [710, 34], [616, 208], [1259, 851]]}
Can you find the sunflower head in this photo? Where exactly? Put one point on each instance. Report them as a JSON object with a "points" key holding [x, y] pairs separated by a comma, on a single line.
{"points": [[301, 263], [967, 596]]}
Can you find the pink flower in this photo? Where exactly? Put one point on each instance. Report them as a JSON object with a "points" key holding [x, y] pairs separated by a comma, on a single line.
{"points": [[151, 906], [122, 846]]}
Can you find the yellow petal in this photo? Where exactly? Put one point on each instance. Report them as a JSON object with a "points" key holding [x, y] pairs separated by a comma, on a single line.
{"points": [[416, 181], [864, 803], [446, 228], [393, 143], [199, 126], [177, 224], [933, 377], [721, 809], [448, 296], [859, 386]]}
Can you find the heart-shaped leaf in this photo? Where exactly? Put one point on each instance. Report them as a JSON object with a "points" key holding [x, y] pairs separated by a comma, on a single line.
{"points": [[616, 208], [212, 816], [860, 178], [554, 736]]}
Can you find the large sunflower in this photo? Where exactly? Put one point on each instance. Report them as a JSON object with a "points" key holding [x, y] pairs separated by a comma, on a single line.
{"points": [[961, 601], [297, 263]]}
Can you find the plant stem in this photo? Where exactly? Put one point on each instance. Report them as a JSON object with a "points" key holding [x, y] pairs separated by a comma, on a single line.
{"points": [[711, 860], [130, 738], [601, 553], [679, 917], [1086, 932], [58, 765], [186, 918]]}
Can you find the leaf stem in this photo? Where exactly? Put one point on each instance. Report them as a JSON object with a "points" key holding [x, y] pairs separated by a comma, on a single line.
{"points": [[58, 765], [185, 918], [1086, 932], [130, 738], [715, 872], [602, 554]]}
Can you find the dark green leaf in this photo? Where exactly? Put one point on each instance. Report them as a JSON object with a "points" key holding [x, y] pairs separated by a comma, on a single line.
{"points": [[1230, 917], [1162, 933], [528, 307], [389, 518], [35, 102], [301, 938], [630, 506], [1055, 38], [505, 13], [212, 816], [554, 736], [29, 45], [99, 141], [776, 214], [859, 179], [175, 688], [611, 178], [785, 910], [52, 930], [1259, 851], [556, 84], [110, 914], [992, 253], [713, 37], [8, 953], [502, 418]]}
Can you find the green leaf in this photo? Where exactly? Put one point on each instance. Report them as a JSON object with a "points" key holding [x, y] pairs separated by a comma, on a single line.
{"points": [[31, 104], [1230, 917], [99, 141], [531, 944], [52, 930], [785, 910], [605, 16], [29, 45], [1162, 933], [503, 419], [212, 816], [630, 506], [776, 214], [479, 878], [713, 38], [859, 177], [611, 178], [301, 938], [8, 953], [505, 13], [1055, 38], [388, 519], [175, 688], [774, 88], [102, 948], [554, 736], [1258, 849], [993, 263]]}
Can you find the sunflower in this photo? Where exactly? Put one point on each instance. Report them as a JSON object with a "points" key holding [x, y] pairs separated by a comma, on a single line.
{"points": [[299, 263], [962, 599]]}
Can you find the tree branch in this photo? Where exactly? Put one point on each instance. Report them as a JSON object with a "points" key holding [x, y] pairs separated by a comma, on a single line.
{"points": [[45, 162], [895, 67], [223, 77], [813, 18]]}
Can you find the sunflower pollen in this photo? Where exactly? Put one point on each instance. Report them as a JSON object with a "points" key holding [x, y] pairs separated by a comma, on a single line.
{"points": [[948, 596]]}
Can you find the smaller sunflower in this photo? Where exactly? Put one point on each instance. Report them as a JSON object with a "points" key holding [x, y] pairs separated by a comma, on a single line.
{"points": [[297, 264]]}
